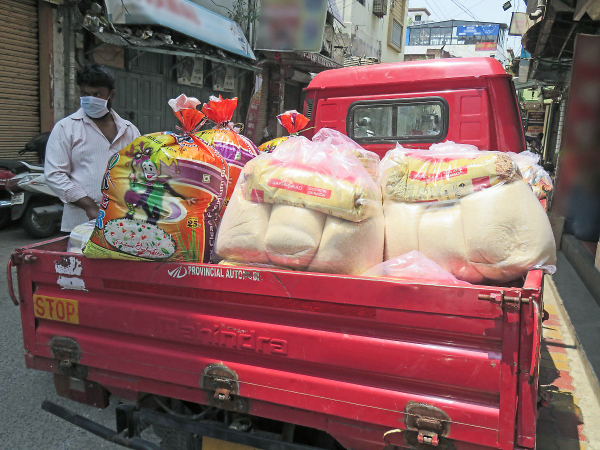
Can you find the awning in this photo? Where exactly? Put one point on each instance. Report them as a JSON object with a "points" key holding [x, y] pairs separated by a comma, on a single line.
{"points": [[306, 61], [184, 17], [143, 45]]}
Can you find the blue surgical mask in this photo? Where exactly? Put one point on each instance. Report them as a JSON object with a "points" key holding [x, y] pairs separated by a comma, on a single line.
{"points": [[94, 107]]}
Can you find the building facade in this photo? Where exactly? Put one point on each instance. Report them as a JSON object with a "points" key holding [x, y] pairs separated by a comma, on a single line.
{"points": [[457, 38], [395, 25], [363, 32]]}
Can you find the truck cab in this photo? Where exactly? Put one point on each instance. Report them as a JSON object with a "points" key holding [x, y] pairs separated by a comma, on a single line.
{"points": [[417, 104]]}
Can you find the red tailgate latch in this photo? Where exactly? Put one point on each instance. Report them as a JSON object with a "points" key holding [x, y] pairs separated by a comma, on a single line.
{"points": [[429, 438], [426, 425]]}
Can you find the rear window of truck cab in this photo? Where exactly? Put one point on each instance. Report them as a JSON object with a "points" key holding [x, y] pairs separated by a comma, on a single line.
{"points": [[402, 120]]}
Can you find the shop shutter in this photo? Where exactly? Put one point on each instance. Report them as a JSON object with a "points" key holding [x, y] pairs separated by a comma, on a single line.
{"points": [[19, 76]]}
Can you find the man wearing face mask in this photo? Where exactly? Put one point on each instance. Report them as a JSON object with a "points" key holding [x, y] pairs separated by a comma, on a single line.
{"points": [[80, 145]]}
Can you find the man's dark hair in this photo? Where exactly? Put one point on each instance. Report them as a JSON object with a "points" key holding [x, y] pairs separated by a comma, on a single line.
{"points": [[95, 75]]}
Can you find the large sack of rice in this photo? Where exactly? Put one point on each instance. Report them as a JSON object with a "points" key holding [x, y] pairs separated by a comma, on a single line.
{"points": [[162, 196], [234, 147], [467, 210]]}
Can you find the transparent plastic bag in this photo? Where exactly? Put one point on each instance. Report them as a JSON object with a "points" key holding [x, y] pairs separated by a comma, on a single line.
{"points": [[313, 175], [539, 180], [369, 160], [447, 171], [79, 236], [295, 233], [415, 267], [495, 233]]}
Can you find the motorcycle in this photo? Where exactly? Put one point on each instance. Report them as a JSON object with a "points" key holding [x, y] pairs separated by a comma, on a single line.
{"points": [[32, 201], [8, 169]]}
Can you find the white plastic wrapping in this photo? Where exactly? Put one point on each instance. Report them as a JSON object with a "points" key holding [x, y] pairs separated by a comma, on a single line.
{"points": [[79, 236], [417, 268], [323, 212], [471, 213]]}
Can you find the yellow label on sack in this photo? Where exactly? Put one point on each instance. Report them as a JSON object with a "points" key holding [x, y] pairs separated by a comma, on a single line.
{"points": [[53, 308]]}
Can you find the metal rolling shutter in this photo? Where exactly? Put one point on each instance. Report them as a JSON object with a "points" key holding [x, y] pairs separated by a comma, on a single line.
{"points": [[19, 76]]}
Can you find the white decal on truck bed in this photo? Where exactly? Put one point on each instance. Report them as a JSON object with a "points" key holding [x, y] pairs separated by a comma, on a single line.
{"points": [[214, 272], [68, 265]]}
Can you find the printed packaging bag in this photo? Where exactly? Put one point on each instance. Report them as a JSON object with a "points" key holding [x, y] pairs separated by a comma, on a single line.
{"points": [[314, 175], [162, 196], [293, 122], [234, 147], [447, 171]]}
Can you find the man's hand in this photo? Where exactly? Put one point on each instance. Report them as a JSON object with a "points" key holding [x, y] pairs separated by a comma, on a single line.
{"points": [[89, 206], [92, 212]]}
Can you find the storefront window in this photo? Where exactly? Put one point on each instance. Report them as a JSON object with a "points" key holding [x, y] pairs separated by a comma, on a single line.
{"points": [[440, 36], [419, 36]]}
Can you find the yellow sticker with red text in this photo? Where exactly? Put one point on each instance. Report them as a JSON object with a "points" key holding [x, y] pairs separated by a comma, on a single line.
{"points": [[53, 308]]}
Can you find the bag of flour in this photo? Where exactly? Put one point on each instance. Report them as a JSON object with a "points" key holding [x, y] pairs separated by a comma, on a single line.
{"points": [[306, 206], [468, 211], [315, 176], [447, 171]]}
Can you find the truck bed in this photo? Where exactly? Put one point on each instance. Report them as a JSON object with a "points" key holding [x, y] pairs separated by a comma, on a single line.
{"points": [[356, 357]]}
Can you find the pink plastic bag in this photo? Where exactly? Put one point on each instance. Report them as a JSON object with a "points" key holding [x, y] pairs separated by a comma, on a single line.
{"points": [[414, 266]]}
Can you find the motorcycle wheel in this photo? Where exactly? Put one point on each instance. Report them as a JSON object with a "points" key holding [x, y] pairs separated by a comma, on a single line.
{"points": [[37, 228]]}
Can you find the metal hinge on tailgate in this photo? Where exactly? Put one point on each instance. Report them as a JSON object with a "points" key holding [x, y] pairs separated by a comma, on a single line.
{"points": [[430, 423], [504, 300]]}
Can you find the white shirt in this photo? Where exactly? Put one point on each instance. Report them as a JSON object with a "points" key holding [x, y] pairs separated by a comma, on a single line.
{"points": [[76, 157]]}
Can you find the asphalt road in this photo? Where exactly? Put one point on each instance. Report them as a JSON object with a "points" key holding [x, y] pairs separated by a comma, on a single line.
{"points": [[23, 425]]}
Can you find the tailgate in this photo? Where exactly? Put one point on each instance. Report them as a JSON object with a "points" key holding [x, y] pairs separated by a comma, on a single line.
{"points": [[325, 351]]}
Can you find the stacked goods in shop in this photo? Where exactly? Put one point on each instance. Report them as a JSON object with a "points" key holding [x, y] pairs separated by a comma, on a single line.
{"points": [[162, 196], [234, 147], [293, 122], [307, 206], [467, 210], [369, 160]]}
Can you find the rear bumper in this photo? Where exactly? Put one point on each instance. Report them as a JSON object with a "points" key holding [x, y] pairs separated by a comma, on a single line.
{"points": [[131, 423]]}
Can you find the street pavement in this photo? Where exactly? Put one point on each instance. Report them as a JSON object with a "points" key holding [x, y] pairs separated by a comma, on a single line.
{"points": [[23, 424], [570, 421]]}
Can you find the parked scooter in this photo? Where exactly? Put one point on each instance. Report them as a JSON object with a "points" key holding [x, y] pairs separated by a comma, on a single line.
{"points": [[32, 201], [8, 169]]}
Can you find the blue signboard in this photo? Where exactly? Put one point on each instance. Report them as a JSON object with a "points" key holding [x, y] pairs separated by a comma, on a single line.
{"points": [[478, 30]]}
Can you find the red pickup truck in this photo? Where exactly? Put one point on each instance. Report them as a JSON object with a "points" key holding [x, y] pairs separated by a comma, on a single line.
{"points": [[277, 359]]}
